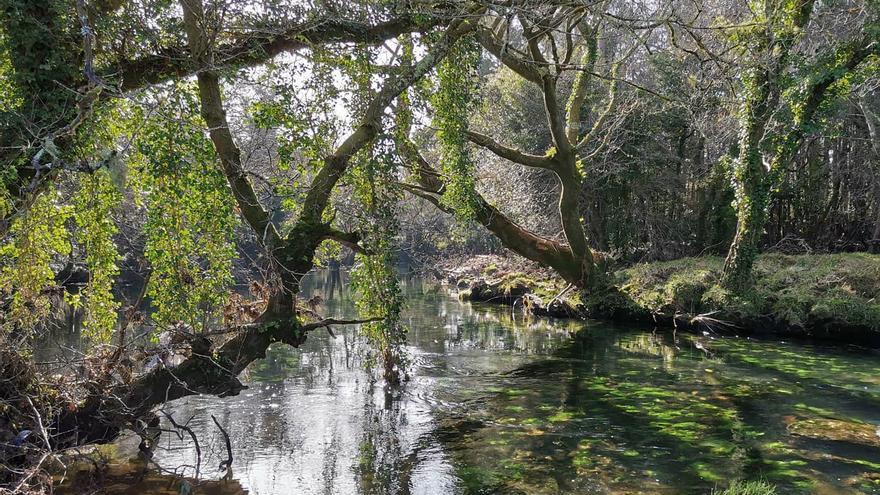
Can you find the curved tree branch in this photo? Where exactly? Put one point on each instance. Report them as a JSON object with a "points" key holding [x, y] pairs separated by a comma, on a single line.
{"points": [[254, 50], [508, 56], [547, 252], [511, 154], [349, 239]]}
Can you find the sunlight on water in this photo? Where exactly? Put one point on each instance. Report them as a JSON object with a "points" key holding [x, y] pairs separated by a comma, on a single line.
{"points": [[500, 404]]}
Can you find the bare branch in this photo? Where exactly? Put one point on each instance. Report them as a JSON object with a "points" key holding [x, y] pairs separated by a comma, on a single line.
{"points": [[511, 154], [326, 322], [227, 464]]}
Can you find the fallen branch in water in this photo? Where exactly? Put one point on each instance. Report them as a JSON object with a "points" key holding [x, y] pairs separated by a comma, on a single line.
{"points": [[192, 435], [227, 464], [326, 322]]}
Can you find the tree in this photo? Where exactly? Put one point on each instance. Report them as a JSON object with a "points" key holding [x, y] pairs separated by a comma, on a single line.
{"points": [[211, 53], [554, 40], [776, 117]]}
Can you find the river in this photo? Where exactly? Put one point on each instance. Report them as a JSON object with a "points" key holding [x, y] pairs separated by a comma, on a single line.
{"points": [[500, 403]]}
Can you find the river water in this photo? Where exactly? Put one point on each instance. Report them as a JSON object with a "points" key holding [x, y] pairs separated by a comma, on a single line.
{"points": [[500, 403]]}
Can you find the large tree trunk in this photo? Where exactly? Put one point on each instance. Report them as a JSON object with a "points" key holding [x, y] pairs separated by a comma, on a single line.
{"points": [[573, 225], [547, 252], [752, 196], [744, 249]]}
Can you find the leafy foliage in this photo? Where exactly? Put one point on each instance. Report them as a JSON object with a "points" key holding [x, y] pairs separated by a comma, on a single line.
{"points": [[10, 97], [36, 240], [374, 278], [93, 208], [452, 105], [190, 218]]}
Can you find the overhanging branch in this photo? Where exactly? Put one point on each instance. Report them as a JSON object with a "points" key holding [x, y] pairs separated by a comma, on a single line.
{"points": [[175, 62], [349, 239], [508, 153], [326, 322], [215, 116]]}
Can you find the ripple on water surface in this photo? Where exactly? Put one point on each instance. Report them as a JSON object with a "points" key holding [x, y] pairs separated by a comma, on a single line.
{"points": [[500, 404]]}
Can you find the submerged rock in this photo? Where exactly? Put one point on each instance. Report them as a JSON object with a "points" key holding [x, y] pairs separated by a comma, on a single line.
{"points": [[836, 430]]}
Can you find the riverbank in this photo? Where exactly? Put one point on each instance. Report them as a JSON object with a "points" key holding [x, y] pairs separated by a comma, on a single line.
{"points": [[833, 297]]}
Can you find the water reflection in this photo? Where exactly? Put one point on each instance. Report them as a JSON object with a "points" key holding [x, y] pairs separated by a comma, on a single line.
{"points": [[501, 404]]}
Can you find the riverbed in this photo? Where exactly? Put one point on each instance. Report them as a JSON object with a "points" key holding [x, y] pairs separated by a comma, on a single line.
{"points": [[497, 402]]}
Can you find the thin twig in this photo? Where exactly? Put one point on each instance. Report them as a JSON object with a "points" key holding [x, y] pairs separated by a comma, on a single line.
{"points": [[227, 464], [43, 431], [192, 435]]}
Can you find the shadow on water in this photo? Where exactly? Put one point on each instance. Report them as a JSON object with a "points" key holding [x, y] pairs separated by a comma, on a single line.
{"points": [[498, 403]]}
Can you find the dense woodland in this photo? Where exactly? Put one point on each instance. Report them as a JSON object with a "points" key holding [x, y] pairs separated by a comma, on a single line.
{"points": [[171, 170]]}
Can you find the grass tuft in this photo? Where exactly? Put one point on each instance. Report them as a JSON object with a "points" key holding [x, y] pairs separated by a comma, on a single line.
{"points": [[747, 488]]}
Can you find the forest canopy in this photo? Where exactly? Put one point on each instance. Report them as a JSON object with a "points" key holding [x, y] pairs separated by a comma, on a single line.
{"points": [[171, 170]]}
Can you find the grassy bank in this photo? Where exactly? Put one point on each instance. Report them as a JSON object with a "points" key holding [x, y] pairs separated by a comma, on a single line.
{"points": [[833, 296]]}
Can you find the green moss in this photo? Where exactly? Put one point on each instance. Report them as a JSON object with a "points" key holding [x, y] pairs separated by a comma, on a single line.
{"points": [[815, 291], [476, 479], [545, 288], [614, 303], [514, 281], [853, 432], [813, 294]]}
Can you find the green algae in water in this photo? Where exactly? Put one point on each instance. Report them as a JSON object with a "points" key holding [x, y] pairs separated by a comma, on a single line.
{"points": [[503, 404]]}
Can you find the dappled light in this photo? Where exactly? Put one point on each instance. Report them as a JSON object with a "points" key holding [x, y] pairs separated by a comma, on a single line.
{"points": [[396, 247]]}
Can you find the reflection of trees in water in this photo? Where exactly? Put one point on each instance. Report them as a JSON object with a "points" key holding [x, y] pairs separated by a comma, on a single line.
{"points": [[383, 465], [333, 283], [511, 405], [58, 337], [391, 453], [388, 450], [329, 283]]}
